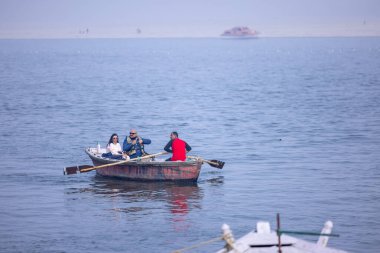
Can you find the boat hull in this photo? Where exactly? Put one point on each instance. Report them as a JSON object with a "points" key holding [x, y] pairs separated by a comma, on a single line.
{"points": [[148, 170]]}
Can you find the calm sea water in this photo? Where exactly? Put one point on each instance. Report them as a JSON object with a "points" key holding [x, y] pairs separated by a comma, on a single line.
{"points": [[297, 122]]}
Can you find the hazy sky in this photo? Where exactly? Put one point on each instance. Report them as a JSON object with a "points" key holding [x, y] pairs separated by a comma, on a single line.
{"points": [[180, 18]]}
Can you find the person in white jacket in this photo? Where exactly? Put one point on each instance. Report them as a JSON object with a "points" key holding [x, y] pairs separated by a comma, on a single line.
{"points": [[114, 150], [113, 145]]}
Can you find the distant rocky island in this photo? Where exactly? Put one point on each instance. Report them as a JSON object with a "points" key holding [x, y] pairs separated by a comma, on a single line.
{"points": [[240, 32]]}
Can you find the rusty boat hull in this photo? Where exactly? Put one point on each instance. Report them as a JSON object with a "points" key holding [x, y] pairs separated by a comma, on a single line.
{"points": [[147, 170]]}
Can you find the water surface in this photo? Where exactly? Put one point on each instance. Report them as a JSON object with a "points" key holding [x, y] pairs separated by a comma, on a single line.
{"points": [[297, 121]]}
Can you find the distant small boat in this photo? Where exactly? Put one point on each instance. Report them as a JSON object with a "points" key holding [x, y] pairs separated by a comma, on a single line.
{"points": [[147, 170], [240, 32]]}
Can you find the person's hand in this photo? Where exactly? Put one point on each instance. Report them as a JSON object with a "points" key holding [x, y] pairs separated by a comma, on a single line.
{"points": [[125, 156], [141, 141]]}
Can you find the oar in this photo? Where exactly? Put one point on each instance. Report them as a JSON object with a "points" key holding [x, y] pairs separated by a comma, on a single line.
{"points": [[87, 168], [212, 163]]}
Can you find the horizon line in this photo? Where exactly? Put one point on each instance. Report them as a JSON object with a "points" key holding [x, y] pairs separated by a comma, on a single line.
{"points": [[189, 37]]}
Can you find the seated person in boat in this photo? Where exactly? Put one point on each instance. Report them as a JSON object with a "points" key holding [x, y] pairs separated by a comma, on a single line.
{"points": [[113, 148], [133, 145], [178, 147]]}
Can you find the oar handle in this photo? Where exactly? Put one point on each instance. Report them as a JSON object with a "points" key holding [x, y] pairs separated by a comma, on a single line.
{"points": [[121, 162]]}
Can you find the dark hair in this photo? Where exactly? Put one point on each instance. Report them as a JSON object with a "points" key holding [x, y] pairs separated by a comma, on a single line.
{"points": [[110, 141], [175, 133]]}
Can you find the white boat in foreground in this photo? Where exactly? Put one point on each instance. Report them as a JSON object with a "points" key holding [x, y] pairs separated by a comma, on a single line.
{"points": [[264, 240]]}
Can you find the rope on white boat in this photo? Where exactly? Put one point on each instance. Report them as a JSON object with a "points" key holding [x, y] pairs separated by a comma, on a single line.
{"points": [[227, 237], [199, 244]]}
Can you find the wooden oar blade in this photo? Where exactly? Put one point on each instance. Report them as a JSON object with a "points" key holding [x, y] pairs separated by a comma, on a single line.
{"points": [[75, 169], [217, 164], [70, 170], [81, 167]]}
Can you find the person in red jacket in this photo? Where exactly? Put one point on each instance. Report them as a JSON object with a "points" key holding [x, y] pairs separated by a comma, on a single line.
{"points": [[178, 147]]}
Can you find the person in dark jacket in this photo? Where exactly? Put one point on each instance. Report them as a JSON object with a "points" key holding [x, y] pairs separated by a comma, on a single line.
{"points": [[133, 145], [178, 147]]}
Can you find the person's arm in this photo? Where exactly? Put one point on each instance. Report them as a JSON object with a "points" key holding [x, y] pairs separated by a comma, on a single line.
{"points": [[188, 148], [126, 146], [146, 141], [168, 147], [118, 148]]}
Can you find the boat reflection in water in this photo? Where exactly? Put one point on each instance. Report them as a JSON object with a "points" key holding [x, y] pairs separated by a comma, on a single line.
{"points": [[152, 197], [171, 201]]}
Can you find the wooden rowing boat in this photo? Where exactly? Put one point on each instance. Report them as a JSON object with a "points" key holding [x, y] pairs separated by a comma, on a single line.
{"points": [[147, 170]]}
